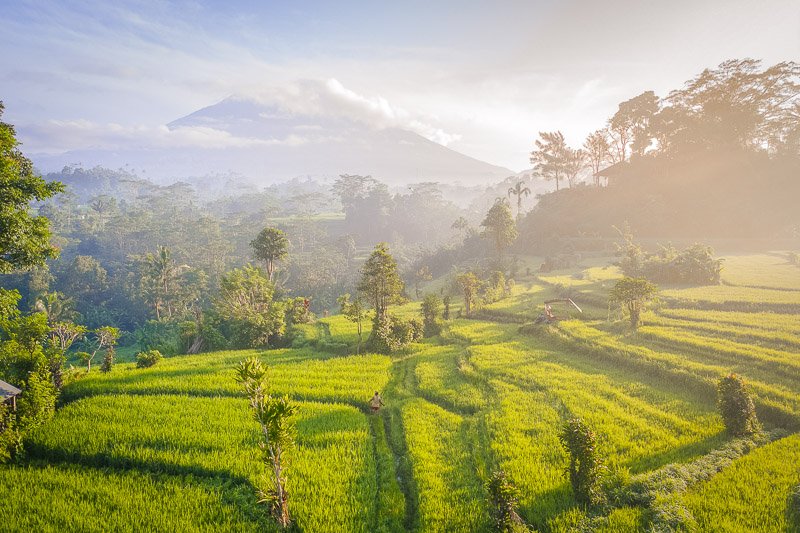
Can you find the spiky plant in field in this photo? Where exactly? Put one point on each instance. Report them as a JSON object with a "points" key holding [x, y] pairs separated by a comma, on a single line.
{"points": [[274, 415]]}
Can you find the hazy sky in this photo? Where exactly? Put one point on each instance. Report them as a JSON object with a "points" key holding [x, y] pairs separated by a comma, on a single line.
{"points": [[481, 77]]}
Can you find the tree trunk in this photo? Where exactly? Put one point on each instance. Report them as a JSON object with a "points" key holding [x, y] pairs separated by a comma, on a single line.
{"points": [[282, 503], [634, 318]]}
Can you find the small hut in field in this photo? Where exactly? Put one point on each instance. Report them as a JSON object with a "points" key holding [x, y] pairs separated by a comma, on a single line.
{"points": [[8, 394]]}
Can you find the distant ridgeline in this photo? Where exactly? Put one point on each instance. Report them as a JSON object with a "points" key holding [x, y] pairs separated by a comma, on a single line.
{"points": [[719, 158]]}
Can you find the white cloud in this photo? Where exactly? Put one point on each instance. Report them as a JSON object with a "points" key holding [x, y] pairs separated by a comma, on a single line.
{"points": [[313, 99], [332, 99], [59, 136]]}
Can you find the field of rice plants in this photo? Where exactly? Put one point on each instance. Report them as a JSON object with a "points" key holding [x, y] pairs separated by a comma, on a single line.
{"points": [[174, 447], [761, 270], [750, 495], [183, 428]]}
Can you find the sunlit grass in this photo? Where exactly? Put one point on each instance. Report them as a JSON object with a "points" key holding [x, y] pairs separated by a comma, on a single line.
{"points": [[174, 447], [773, 270], [751, 494]]}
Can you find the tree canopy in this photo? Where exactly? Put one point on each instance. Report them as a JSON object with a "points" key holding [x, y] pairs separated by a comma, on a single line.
{"points": [[380, 280], [24, 239], [499, 226], [270, 246], [633, 294]]}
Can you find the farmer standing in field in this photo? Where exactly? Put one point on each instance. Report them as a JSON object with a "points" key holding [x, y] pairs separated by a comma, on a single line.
{"points": [[376, 402]]}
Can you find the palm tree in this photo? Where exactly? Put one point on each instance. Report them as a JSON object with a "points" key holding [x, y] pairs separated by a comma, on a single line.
{"points": [[163, 273], [56, 306], [519, 190]]}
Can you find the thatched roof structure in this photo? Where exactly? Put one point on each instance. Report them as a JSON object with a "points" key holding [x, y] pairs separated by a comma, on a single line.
{"points": [[7, 391]]}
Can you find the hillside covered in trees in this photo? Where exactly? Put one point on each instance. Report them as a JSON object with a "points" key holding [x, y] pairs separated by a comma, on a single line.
{"points": [[352, 355], [723, 148]]}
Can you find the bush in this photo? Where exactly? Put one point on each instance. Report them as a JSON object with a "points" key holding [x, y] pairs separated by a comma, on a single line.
{"points": [[108, 360], [196, 337], [495, 288], [694, 265], [446, 302], [148, 358], [558, 262], [10, 437], [584, 463], [503, 502], [390, 333], [431, 310], [299, 311], [37, 403], [632, 294], [736, 406]]}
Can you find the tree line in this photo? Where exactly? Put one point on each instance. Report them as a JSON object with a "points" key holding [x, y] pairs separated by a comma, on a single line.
{"points": [[667, 161]]}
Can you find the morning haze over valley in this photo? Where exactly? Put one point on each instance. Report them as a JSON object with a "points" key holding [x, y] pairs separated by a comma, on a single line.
{"points": [[425, 266]]}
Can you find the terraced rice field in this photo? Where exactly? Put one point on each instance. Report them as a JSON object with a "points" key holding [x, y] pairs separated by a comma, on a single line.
{"points": [[173, 447]]}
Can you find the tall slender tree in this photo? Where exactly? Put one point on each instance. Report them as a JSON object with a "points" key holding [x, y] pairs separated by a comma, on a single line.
{"points": [[549, 156], [161, 280], [574, 163], [276, 417], [356, 313], [596, 148], [380, 281], [519, 190], [469, 284], [270, 246], [499, 226]]}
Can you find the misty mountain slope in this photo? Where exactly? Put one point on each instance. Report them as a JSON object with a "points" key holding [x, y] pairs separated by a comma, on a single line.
{"points": [[267, 144]]}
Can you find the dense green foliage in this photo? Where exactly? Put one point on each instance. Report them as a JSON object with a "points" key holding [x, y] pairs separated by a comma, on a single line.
{"points": [[736, 406], [503, 502], [380, 280], [251, 316], [584, 462], [148, 358], [431, 315], [695, 265], [499, 226], [632, 294], [24, 239]]}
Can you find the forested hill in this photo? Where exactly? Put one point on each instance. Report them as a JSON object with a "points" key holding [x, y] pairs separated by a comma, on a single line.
{"points": [[718, 158], [715, 195]]}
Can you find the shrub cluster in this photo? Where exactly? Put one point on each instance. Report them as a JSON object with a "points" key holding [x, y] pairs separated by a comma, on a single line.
{"points": [[736, 406], [148, 358], [694, 265], [108, 360], [391, 333], [503, 503], [584, 461], [431, 313]]}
